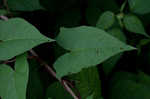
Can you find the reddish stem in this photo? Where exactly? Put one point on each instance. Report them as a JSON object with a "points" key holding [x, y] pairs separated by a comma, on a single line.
{"points": [[50, 70], [4, 17]]}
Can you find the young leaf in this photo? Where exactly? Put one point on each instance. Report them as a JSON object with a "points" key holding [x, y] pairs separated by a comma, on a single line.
{"points": [[133, 24], [18, 36], [88, 46], [13, 83], [24, 5], [139, 6], [106, 20]]}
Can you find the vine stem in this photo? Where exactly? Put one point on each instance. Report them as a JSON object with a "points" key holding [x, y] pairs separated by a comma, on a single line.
{"points": [[50, 70], [9, 61], [3, 17]]}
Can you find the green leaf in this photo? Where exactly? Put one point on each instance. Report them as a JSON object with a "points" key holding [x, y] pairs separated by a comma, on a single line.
{"points": [[13, 83], [139, 6], [57, 91], [142, 43], [109, 64], [87, 82], [133, 24], [122, 76], [18, 36], [126, 86], [24, 5], [90, 97], [129, 90], [144, 78], [88, 46], [106, 20], [117, 33], [95, 8], [35, 88]]}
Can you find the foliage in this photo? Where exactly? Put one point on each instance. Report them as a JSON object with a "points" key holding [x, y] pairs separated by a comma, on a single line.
{"points": [[85, 51], [74, 49], [13, 83], [18, 39]]}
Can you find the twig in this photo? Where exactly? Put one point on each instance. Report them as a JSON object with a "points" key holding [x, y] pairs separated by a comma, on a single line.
{"points": [[50, 70], [13, 60], [4, 17], [72, 86], [69, 89], [9, 61]]}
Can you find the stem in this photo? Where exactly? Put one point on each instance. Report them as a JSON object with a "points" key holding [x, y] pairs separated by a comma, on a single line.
{"points": [[12, 60], [50, 70], [4, 18], [72, 86], [120, 18], [9, 61], [69, 89]]}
